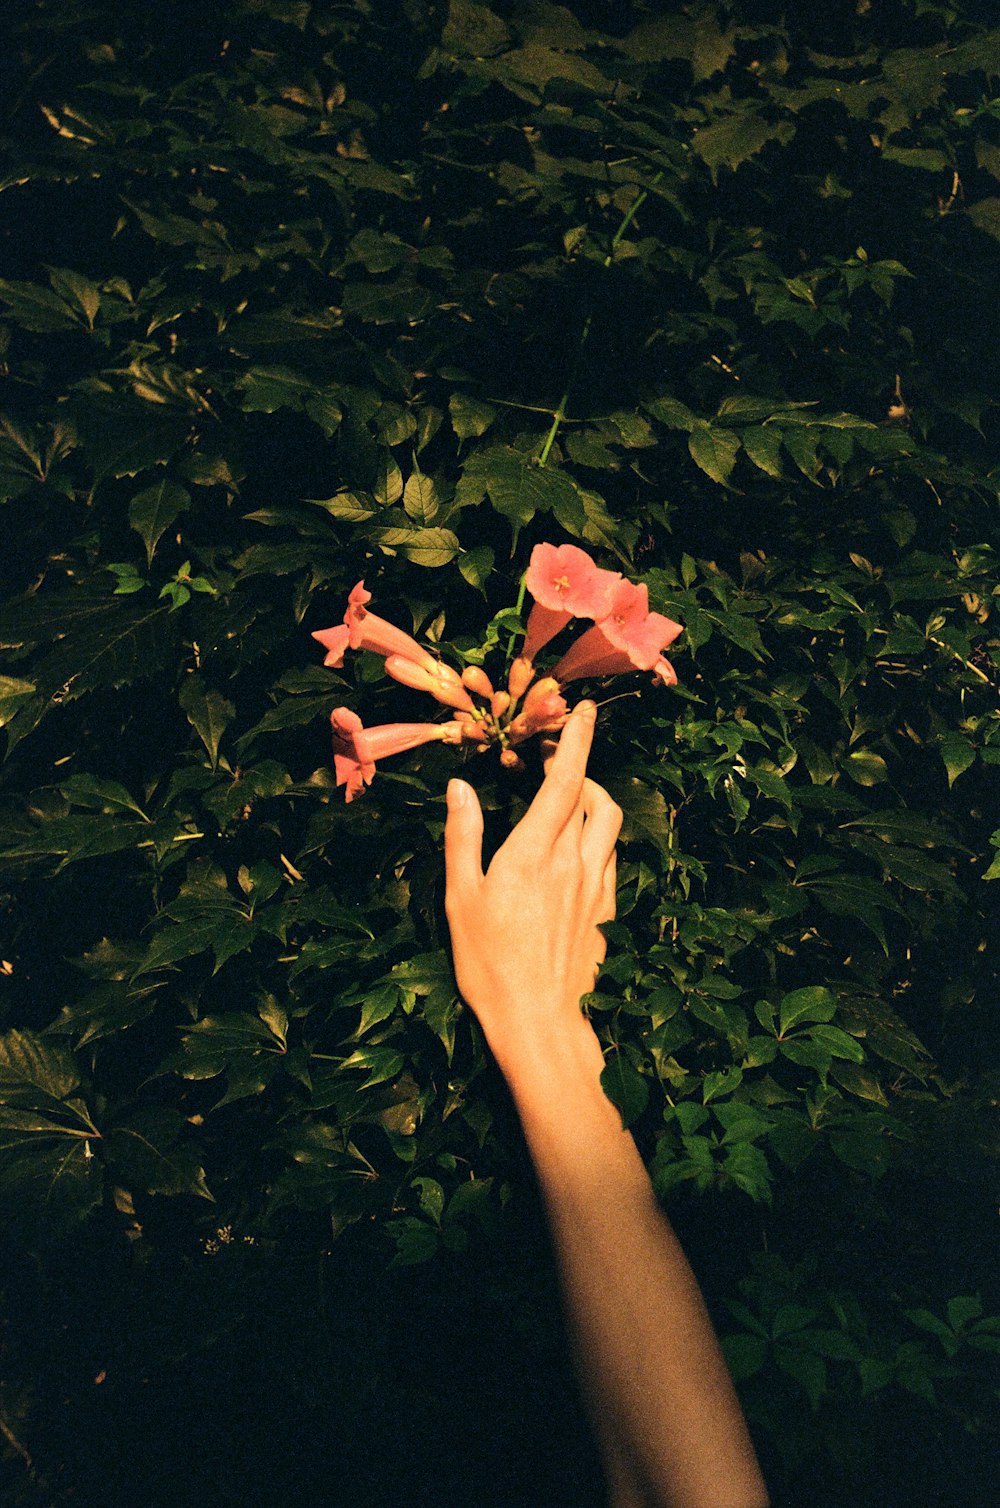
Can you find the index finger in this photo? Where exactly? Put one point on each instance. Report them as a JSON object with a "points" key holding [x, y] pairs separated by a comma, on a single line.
{"points": [[565, 773]]}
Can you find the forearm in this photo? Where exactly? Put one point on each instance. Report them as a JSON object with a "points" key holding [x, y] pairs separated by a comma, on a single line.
{"points": [[652, 1367]]}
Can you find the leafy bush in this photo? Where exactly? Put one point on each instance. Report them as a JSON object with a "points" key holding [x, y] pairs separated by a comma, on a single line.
{"points": [[299, 294]]}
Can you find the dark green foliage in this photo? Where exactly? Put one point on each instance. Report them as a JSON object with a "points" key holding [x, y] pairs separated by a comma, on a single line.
{"points": [[297, 294]]}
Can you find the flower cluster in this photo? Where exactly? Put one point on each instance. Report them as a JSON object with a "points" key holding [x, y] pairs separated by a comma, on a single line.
{"points": [[565, 584]]}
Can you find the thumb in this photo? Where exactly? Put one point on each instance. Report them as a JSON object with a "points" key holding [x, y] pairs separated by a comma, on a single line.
{"points": [[463, 840]]}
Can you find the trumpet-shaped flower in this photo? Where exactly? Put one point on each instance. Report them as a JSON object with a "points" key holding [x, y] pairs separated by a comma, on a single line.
{"points": [[364, 630], [442, 682], [565, 583], [629, 624], [595, 653], [354, 768], [356, 749]]}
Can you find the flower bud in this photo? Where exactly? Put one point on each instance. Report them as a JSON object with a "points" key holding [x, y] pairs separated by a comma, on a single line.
{"points": [[547, 687], [499, 703], [520, 677], [477, 681], [511, 761], [472, 730]]}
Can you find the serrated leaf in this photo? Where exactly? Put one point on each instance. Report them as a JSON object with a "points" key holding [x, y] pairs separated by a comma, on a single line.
{"points": [[37, 309], [208, 713], [672, 413], [714, 451], [28, 1062], [152, 511], [733, 139], [763, 446], [345, 505], [470, 417], [88, 790], [424, 547], [149, 1152], [515, 487], [476, 566], [420, 498]]}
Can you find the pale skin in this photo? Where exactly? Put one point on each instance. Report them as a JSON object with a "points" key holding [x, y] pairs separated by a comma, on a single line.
{"points": [[525, 946]]}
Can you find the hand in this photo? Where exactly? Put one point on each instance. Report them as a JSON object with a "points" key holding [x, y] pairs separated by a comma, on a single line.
{"points": [[524, 935]]}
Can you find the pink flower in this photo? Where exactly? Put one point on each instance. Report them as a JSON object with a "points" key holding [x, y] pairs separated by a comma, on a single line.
{"points": [[596, 654], [565, 583], [364, 630], [357, 748], [443, 683], [354, 769], [629, 624]]}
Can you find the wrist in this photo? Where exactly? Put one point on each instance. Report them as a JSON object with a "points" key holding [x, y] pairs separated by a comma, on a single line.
{"points": [[551, 1060]]}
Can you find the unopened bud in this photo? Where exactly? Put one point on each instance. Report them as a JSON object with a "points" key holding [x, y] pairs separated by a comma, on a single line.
{"points": [[477, 681], [520, 677], [547, 687], [499, 703], [511, 761]]}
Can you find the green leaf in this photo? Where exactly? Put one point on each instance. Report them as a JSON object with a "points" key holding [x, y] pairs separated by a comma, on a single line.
{"points": [[150, 1151], [644, 811], [672, 413], [812, 1003], [476, 566], [516, 488], [14, 692], [745, 1355], [37, 309], [985, 216], [424, 547], [734, 139], [49, 1188], [746, 1167], [470, 417], [420, 498], [808, 1370], [714, 450], [957, 753], [105, 795], [153, 511], [472, 30], [345, 505], [28, 1063], [721, 1081], [763, 446], [866, 768], [625, 1087], [208, 713], [837, 1042]]}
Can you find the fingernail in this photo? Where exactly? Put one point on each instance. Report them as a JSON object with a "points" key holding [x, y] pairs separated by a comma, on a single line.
{"points": [[587, 709], [456, 794]]}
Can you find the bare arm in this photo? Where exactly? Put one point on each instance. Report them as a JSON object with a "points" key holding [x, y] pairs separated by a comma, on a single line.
{"points": [[526, 947]]}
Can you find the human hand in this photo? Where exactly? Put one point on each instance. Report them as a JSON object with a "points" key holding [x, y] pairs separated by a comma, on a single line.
{"points": [[524, 936]]}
